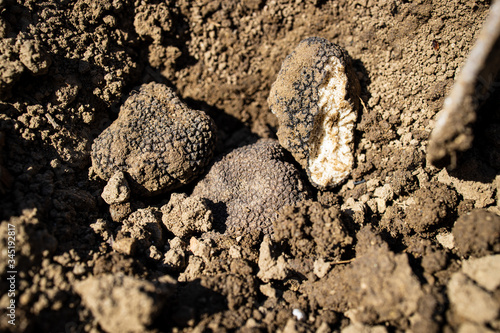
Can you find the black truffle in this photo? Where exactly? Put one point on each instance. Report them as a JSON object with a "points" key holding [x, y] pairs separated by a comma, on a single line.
{"points": [[247, 187], [160, 142]]}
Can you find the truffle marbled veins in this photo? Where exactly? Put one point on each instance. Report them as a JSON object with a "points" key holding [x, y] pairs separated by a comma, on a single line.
{"points": [[160, 142], [247, 187], [315, 100]]}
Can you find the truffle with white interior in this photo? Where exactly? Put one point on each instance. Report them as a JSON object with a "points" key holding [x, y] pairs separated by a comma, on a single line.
{"points": [[315, 98]]}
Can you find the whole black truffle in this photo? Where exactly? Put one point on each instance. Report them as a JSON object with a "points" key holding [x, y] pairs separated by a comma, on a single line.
{"points": [[315, 97], [247, 187], [157, 140]]}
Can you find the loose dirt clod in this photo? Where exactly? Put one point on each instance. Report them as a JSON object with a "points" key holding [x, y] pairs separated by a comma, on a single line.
{"points": [[157, 140], [271, 267], [312, 231], [470, 302], [116, 190], [143, 228], [185, 215], [477, 233], [247, 187], [122, 303], [315, 97]]}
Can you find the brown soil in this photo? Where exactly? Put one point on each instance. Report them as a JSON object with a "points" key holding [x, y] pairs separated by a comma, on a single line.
{"points": [[399, 246]]}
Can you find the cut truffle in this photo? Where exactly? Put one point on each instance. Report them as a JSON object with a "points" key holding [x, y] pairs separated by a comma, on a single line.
{"points": [[315, 98], [160, 142], [247, 187]]}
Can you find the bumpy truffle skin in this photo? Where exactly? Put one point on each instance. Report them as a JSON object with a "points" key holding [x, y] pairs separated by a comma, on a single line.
{"points": [[247, 187], [160, 142], [315, 98]]}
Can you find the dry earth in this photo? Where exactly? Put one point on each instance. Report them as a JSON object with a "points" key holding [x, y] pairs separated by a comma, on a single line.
{"points": [[400, 246]]}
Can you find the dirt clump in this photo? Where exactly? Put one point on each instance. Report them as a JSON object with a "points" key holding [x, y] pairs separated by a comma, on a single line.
{"points": [[311, 230], [33, 242], [122, 303], [185, 215], [116, 190], [425, 211], [142, 228], [477, 233], [379, 285], [471, 302]]}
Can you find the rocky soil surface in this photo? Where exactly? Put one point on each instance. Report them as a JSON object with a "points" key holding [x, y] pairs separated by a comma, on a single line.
{"points": [[400, 245]]}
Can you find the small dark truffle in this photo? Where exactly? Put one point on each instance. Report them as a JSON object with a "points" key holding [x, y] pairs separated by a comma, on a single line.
{"points": [[160, 142], [247, 187], [315, 98]]}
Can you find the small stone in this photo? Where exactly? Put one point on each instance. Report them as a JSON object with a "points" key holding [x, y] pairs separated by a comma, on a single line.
{"points": [[446, 240], [175, 258], [201, 249], [79, 269], [321, 267]]}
